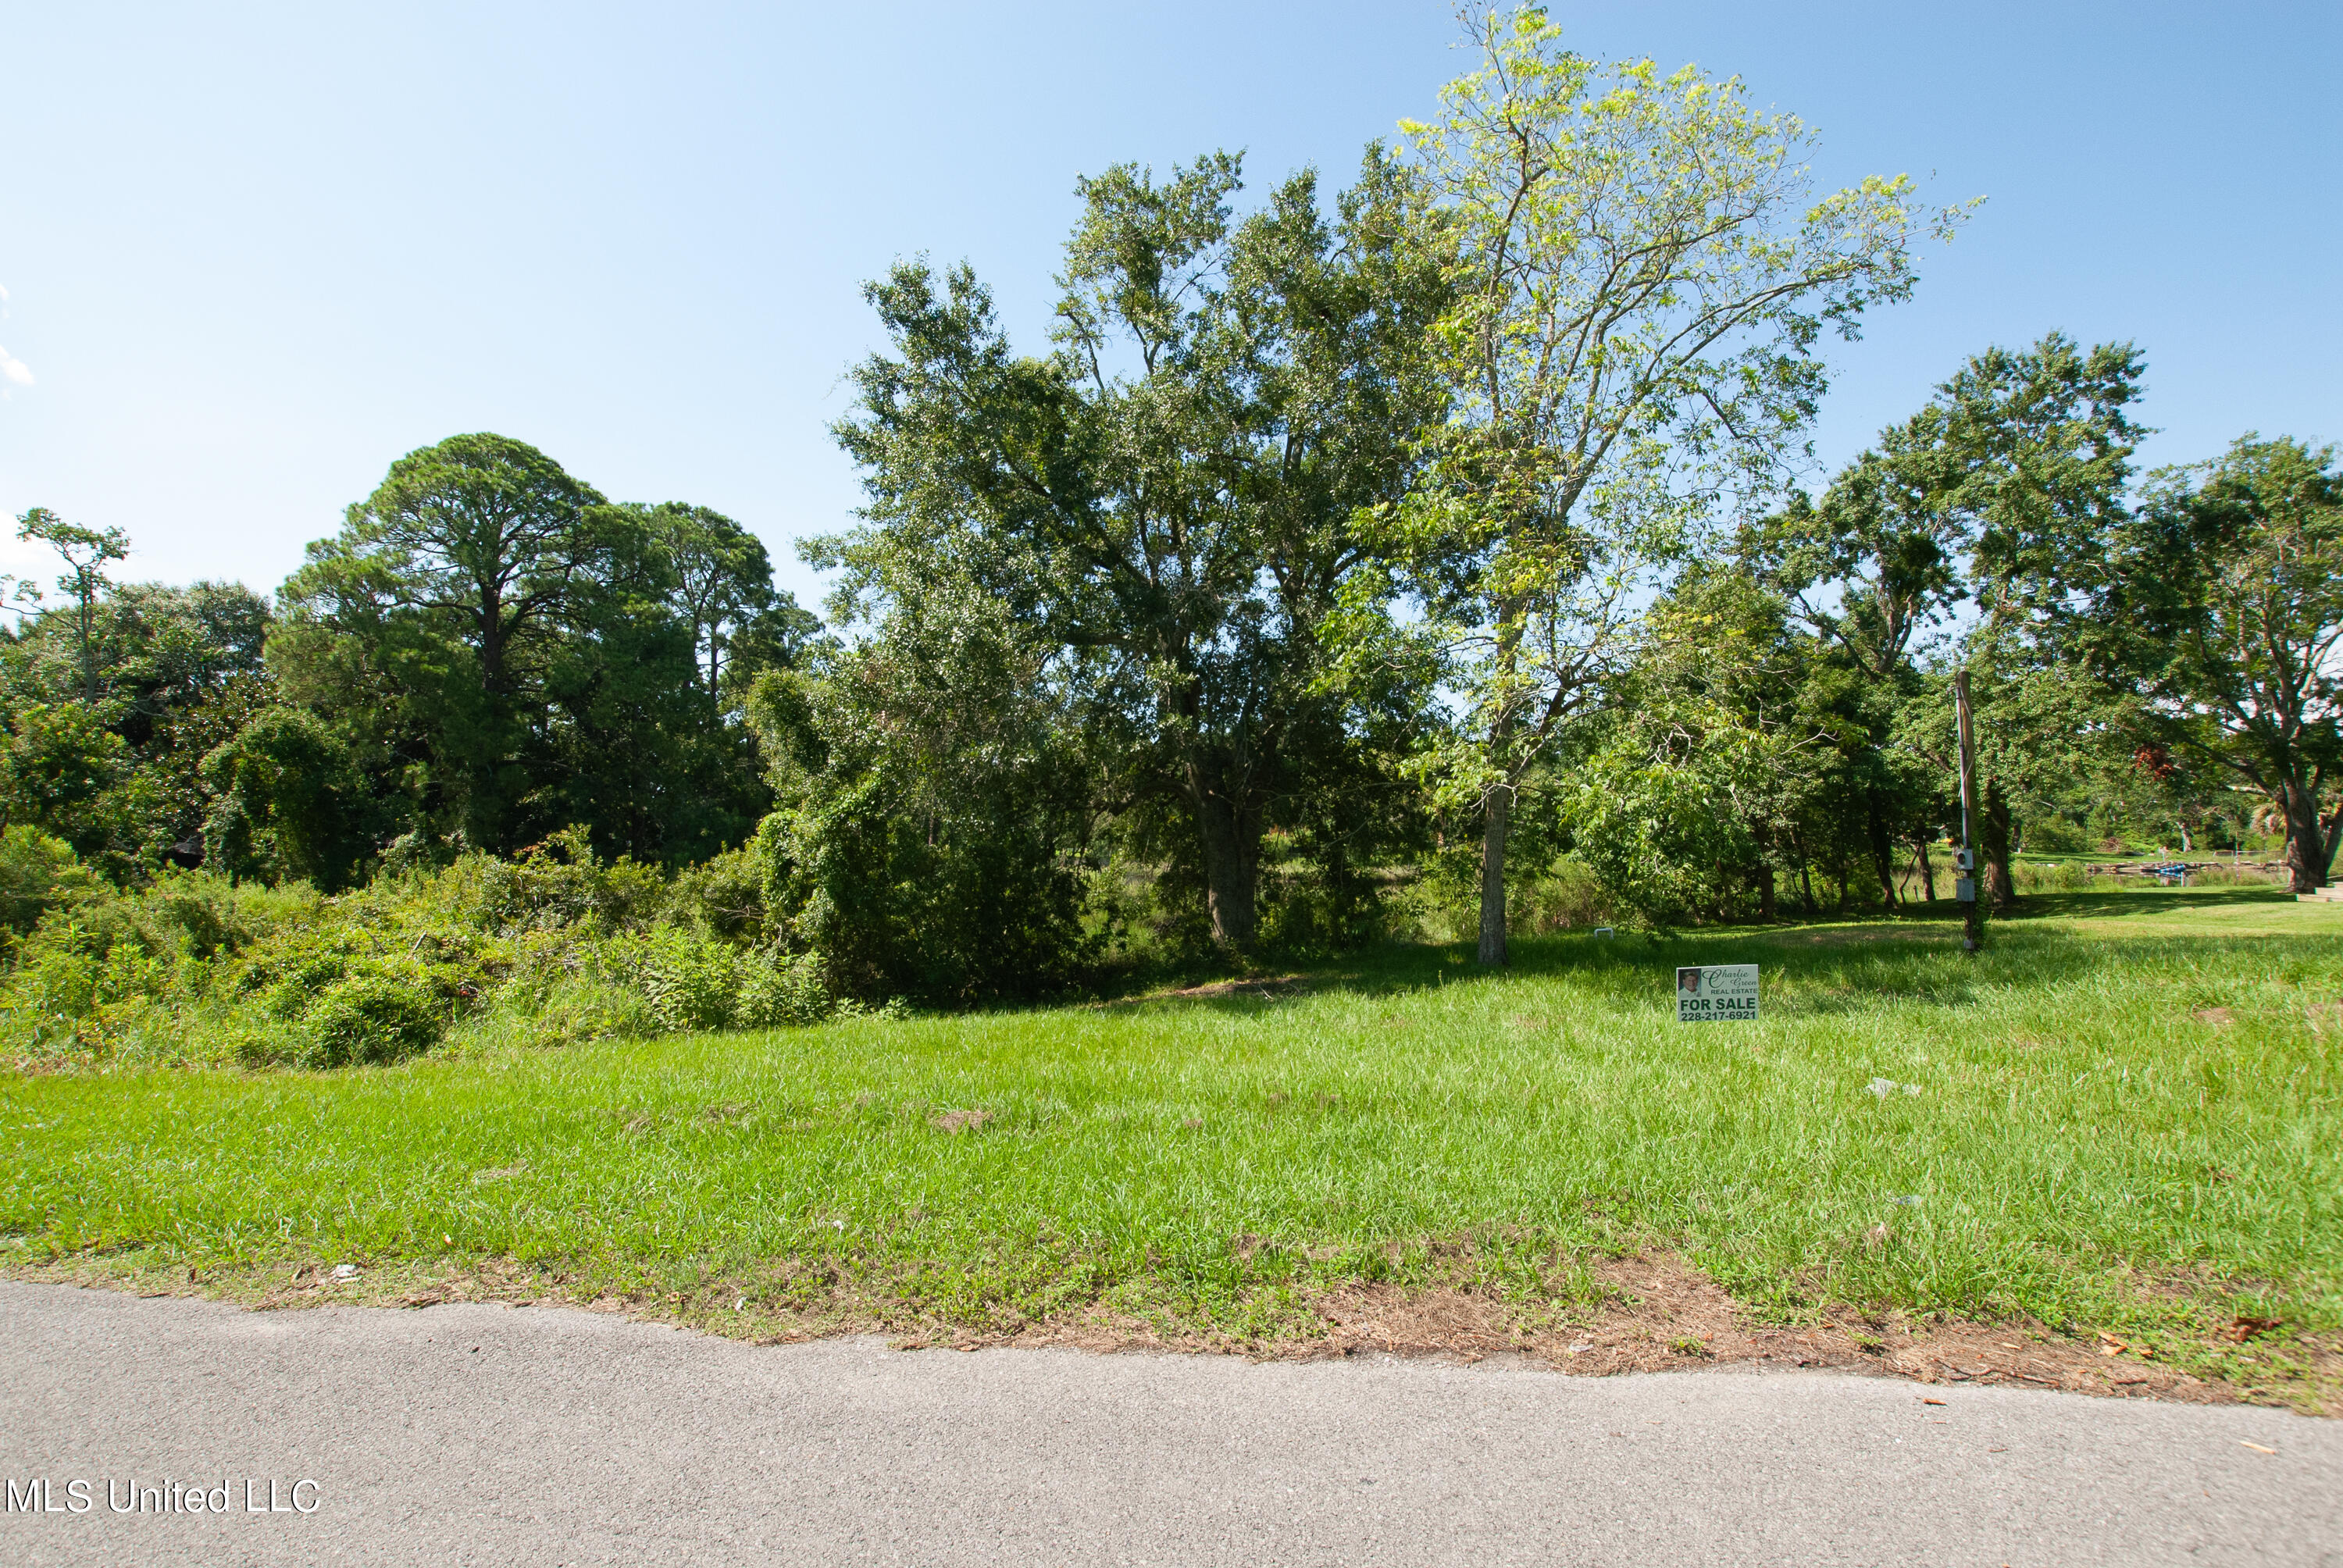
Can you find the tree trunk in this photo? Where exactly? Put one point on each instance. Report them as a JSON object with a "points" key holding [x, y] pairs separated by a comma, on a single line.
{"points": [[1883, 853], [2000, 890], [1765, 892], [2333, 842], [492, 640], [1927, 868], [1231, 859], [1496, 815], [2305, 837], [1497, 807], [86, 622]]}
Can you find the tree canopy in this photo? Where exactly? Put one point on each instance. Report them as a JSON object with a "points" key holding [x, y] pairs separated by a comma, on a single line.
{"points": [[1165, 499], [1643, 273], [1439, 553]]}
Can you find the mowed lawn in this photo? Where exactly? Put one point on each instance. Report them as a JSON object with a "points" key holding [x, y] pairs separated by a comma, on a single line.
{"points": [[2128, 1110]]}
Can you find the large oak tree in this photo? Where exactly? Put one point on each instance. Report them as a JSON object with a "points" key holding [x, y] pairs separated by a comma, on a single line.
{"points": [[2224, 595], [1165, 497]]}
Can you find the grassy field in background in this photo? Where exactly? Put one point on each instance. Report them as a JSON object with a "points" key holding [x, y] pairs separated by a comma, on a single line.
{"points": [[2126, 1114]]}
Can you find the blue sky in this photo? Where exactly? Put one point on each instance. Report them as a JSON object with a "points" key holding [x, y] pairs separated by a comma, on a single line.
{"points": [[254, 253]]}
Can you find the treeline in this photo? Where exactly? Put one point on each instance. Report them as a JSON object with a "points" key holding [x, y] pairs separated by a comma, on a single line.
{"points": [[1424, 550], [486, 652]]}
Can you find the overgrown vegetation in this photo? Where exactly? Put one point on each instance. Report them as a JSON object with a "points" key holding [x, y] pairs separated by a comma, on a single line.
{"points": [[2122, 1117], [1319, 576], [1320, 583], [551, 947], [1395, 582], [555, 946]]}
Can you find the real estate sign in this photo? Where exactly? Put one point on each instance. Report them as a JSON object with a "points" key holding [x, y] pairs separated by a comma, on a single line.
{"points": [[1714, 993]]}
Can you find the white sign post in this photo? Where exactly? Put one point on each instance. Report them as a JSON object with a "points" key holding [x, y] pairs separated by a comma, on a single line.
{"points": [[1712, 994]]}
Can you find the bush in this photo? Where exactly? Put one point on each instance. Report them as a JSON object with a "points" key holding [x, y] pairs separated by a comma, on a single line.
{"points": [[2054, 836], [696, 982], [60, 767], [775, 991], [1308, 911], [38, 872], [935, 812], [368, 1020], [1569, 895], [725, 895], [553, 947], [63, 998], [51, 995], [288, 802], [691, 980], [558, 885], [2056, 877], [984, 911], [1443, 904], [2219, 875]]}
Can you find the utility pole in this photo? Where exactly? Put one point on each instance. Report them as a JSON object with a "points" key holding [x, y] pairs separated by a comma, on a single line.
{"points": [[1965, 885]]}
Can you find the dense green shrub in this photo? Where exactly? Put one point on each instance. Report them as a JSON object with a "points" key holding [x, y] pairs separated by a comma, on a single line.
{"points": [[38, 872], [2048, 877], [2054, 836], [64, 769], [724, 895], [1568, 895], [1443, 902], [695, 982], [558, 884], [552, 946], [368, 1020], [981, 912], [288, 801], [927, 846], [691, 980], [775, 990]]}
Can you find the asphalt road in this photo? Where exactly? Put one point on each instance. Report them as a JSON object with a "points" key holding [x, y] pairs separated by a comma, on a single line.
{"points": [[462, 1434]]}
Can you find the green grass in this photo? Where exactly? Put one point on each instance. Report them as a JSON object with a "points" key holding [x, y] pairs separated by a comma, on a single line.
{"points": [[2083, 1148]]}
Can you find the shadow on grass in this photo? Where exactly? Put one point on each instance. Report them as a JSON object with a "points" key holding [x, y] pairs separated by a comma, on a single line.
{"points": [[1819, 967], [2139, 901]]}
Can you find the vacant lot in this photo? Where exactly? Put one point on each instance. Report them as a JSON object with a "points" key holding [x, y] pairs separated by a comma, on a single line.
{"points": [[2117, 1132]]}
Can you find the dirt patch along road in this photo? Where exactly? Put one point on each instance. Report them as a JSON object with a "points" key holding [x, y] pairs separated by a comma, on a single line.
{"points": [[475, 1433]]}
